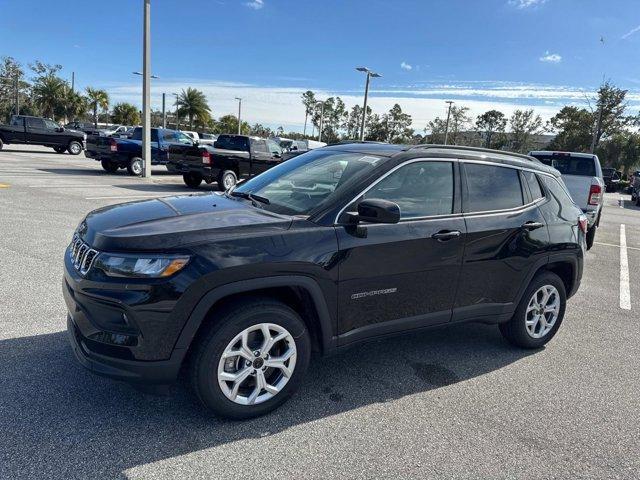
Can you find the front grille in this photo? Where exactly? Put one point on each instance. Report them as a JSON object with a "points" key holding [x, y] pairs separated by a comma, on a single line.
{"points": [[82, 255]]}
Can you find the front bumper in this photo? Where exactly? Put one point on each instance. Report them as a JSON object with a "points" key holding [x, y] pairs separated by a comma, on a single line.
{"points": [[153, 373]]}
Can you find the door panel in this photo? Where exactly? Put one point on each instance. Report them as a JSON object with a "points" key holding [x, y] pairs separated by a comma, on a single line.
{"points": [[36, 132], [392, 272]]}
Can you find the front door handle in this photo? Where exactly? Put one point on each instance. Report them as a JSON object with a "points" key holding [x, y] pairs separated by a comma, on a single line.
{"points": [[532, 225], [444, 235]]}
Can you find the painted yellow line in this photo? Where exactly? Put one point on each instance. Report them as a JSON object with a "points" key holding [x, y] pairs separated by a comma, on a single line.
{"points": [[4, 185]]}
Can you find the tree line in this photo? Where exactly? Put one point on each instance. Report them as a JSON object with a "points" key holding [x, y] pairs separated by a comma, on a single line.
{"points": [[602, 124]]}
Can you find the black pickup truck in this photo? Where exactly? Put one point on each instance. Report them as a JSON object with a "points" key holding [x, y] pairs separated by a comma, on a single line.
{"points": [[42, 131], [230, 158]]}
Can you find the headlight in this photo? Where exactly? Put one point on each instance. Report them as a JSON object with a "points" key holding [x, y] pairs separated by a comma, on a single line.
{"points": [[152, 266]]}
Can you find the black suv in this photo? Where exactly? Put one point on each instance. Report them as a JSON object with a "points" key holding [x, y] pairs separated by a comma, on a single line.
{"points": [[336, 246]]}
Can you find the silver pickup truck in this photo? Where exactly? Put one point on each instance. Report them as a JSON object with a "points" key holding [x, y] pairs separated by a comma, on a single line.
{"points": [[582, 174]]}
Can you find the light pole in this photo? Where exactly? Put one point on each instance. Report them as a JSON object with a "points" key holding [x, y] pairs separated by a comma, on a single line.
{"points": [[366, 94], [153, 77], [446, 128], [177, 116], [321, 119], [239, 113], [164, 110]]}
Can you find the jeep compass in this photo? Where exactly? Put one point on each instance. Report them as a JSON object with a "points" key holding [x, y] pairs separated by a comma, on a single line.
{"points": [[336, 246]]}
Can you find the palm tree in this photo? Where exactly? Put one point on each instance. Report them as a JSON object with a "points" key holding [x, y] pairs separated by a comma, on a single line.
{"points": [[125, 114], [193, 103], [76, 105], [98, 99], [49, 95]]}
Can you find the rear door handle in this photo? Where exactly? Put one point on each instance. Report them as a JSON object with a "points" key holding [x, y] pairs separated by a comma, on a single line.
{"points": [[532, 225], [444, 235]]}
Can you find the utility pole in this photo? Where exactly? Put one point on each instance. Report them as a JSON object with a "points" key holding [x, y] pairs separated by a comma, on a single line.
{"points": [[239, 114], [17, 95], [446, 128], [146, 90], [164, 110], [73, 82]]}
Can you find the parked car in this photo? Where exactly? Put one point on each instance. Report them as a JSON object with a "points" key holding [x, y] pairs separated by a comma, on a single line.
{"points": [[231, 158], [337, 246], [293, 148], [611, 179], [634, 185], [582, 174], [208, 138], [114, 153], [86, 127], [24, 129]]}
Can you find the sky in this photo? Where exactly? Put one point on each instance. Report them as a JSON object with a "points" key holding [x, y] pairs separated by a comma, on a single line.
{"points": [[483, 54]]}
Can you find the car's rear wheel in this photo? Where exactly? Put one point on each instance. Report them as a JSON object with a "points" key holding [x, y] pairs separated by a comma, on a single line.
{"points": [[192, 179], [135, 166], [591, 236], [109, 166], [1, 144], [226, 180], [74, 148], [60, 149], [539, 313], [251, 359]]}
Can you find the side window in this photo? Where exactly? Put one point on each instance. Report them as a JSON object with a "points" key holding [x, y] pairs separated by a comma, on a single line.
{"points": [[154, 134], [492, 188], [421, 189], [534, 185], [184, 139], [50, 124], [17, 121], [259, 146], [35, 123], [169, 136], [273, 147]]}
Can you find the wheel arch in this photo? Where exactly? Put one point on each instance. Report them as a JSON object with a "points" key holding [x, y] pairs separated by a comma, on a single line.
{"points": [[300, 293]]}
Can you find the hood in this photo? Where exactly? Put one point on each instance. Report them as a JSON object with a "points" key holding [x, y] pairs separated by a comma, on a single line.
{"points": [[172, 222]]}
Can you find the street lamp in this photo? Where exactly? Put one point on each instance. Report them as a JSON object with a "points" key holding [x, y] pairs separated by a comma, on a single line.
{"points": [[239, 112], [366, 94], [321, 118], [164, 119], [446, 128], [138, 73]]}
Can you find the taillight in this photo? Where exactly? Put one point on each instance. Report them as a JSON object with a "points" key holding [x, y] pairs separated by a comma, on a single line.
{"points": [[113, 145], [595, 194], [583, 223], [206, 157]]}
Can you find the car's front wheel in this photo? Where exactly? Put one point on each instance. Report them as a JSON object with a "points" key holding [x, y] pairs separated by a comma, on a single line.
{"points": [[250, 359], [226, 180], [135, 166], [539, 313], [74, 148]]}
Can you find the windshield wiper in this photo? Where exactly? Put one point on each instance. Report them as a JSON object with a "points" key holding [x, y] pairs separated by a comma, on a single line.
{"points": [[250, 196]]}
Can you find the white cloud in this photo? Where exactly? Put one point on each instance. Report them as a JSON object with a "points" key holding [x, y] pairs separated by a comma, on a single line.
{"points": [[255, 4], [631, 32], [551, 57], [406, 66], [522, 4]]}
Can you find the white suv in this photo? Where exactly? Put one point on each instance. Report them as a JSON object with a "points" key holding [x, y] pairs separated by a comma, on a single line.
{"points": [[582, 174]]}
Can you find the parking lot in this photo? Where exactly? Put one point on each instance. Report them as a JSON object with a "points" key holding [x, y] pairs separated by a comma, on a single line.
{"points": [[448, 403]]}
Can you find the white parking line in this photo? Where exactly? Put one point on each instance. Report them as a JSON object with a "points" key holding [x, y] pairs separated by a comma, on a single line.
{"points": [[129, 196], [625, 294], [621, 202]]}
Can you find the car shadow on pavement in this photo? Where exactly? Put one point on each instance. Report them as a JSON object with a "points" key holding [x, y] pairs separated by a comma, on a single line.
{"points": [[35, 152], [58, 420], [100, 172]]}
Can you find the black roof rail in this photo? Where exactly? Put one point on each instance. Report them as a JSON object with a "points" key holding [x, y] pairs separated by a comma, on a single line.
{"points": [[473, 149], [347, 142]]}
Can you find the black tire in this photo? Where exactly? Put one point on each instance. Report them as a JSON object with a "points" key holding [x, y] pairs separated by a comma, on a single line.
{"points": [[212, 342], [226, 180], [1, 144], [74, 148], [591, 236], [515, 330], [109, 166], [192, 179], [637, 200], [135, 167], [60, 149]]}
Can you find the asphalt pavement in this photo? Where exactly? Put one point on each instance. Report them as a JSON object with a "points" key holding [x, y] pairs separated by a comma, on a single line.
{"points": [[457, 402]]}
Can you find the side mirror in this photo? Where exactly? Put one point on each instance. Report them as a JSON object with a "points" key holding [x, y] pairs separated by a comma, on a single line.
{"points": [[375, 210], [276, 154], [60, 129]]}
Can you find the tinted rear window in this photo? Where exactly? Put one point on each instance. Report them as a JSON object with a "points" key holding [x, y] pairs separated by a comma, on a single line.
{"points": [[492, 188], [568, 165], [534, 185], [137, 134], [226, 142]]}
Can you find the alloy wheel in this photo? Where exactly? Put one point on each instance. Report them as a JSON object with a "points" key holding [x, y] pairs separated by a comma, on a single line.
{"points": [[257, 364], [228, 181], [542, 311]]}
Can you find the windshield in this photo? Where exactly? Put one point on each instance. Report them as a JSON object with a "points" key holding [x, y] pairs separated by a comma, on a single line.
{"points": [[299, 185], [568, 165]]}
